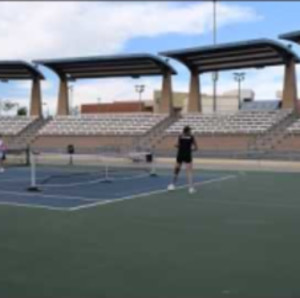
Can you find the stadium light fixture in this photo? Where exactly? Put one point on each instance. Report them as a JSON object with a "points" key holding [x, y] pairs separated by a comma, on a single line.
{"points": [[140, 89], [45, 104]]}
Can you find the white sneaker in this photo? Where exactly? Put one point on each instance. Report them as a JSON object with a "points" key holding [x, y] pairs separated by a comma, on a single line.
{"points": [[192, 190], [1, 170], [171, 186]]}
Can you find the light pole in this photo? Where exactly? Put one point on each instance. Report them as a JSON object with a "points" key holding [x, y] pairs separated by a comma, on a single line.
{"points": [[140, 89], [71, 89], [17, 106], [1, 99], [46, 104], [99, 104], [215, 73], [239, 77]]}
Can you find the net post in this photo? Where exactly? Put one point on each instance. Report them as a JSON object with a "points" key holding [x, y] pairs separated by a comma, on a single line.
{"points": [[151, 159], [153, 172], [33, 187]]}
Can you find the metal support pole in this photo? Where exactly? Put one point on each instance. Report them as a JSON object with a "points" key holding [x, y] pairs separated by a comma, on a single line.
{"points": [[71, 89], [239, 77], [140, 89], [33, 187]]}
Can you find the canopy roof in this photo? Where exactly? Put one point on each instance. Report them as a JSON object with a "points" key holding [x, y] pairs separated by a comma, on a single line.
{"points": [[253, 53], [132, 65], [18, 70], [292, 36]]}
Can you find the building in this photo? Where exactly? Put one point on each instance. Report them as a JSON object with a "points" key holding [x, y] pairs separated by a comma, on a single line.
{"points": [[117, 107], [226, 102]]}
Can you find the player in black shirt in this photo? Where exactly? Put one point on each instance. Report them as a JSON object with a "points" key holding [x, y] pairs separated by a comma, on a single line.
{"points": [[2, 154], [186, 145]]}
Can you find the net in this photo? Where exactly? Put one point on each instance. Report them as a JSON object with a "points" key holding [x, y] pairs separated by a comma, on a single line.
{"points": [[66, 170], [16, 157]]}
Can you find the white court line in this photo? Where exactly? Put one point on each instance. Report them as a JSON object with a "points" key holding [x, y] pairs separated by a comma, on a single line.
{"points": [[96, 202], [14, 204], [160, 191], [38, 194]]}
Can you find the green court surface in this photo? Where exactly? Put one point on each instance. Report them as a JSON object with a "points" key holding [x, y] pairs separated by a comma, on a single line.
{"points": [[233, 238]]}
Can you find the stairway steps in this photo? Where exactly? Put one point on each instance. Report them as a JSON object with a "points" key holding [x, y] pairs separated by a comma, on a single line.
{"points": [[28, 135], [151, 139], [275, 136]]}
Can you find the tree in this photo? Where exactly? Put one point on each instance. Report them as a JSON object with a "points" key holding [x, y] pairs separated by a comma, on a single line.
{"points": [[22, 111]]}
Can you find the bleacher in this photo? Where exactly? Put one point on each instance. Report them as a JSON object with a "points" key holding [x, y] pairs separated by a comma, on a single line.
{"points": [[242, 122], [104, 124], [13, 125], [294, 128]]}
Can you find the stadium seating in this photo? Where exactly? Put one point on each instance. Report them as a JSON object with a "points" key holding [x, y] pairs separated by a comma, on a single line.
{"points": [[105, 124], [11, 126], [294, 128], [242, 122]]}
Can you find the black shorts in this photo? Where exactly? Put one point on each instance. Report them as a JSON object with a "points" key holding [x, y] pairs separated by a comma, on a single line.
{"points": [[183, 157]]}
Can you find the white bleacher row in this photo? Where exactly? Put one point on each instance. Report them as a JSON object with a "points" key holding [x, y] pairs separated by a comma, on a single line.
{"points": [[106, 124], [295, 127], [245, 122], [12, 125]]}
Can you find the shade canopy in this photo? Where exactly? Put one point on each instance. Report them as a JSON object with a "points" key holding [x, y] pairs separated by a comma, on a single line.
{"points": [[18, 70], [291, 36], [248, 54], [131, 65]]}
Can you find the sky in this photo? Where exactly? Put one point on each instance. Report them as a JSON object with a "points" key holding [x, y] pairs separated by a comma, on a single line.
{"points": [[37, 30]]}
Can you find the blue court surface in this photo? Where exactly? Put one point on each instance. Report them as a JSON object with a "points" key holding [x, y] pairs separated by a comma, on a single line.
{"points": [[76, 192]]}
